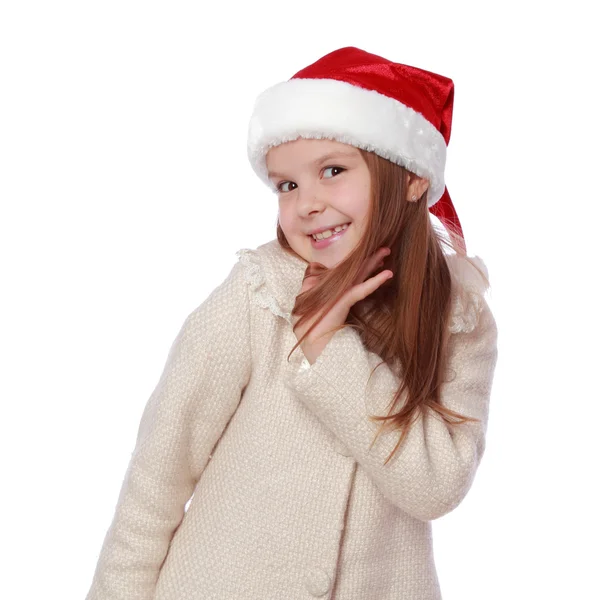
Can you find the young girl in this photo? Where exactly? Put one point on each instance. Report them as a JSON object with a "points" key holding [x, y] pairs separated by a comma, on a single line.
{"points": [[330, 398]]}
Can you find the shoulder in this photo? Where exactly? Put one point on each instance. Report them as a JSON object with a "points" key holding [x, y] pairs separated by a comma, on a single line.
{"points": [[273, 275], [470, 284], [259, 264]]}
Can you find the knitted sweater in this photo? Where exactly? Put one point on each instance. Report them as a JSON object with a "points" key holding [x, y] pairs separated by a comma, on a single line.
{"points": [[285, 498]]}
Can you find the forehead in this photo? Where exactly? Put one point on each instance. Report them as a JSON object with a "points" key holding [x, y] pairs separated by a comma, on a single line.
{"points": [[306, 151]]}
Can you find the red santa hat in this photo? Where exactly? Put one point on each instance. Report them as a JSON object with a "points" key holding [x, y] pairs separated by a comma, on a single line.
{"points": [[399, 112]]}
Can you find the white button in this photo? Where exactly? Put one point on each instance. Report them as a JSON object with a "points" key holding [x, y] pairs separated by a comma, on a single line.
{"points": [[339, 447], [317, 581]]}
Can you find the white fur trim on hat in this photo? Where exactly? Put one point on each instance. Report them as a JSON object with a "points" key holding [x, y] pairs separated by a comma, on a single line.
{"points": [[332, 109]]}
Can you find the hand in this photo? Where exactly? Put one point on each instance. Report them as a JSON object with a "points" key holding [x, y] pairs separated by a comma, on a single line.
{"points": [[318, 338]]}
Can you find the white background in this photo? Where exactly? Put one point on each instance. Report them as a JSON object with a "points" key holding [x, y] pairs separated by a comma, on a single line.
{"points": [[125, 191]]}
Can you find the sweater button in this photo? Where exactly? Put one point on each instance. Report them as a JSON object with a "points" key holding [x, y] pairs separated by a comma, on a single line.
{"points": [[317, 581]]}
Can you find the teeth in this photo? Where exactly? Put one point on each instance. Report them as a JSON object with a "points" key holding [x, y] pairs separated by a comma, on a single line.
{"points": [[325, 234]]}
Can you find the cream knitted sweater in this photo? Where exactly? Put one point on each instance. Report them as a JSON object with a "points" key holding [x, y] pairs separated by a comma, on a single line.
{"points": [[287, 501]]}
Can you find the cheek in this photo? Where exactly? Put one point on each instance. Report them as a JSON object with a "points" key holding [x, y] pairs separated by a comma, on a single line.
{"points": [[353, 200], [285, 220]]}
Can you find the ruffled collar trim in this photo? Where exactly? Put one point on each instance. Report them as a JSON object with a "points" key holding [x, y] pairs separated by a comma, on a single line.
{"points": [[275, 278]]}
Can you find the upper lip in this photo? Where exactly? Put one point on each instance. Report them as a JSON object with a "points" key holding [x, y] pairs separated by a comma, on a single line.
{"points": [[321, 229]]}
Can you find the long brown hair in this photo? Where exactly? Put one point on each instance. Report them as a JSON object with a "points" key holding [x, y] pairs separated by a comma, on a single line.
{"points": [[410, 311]]}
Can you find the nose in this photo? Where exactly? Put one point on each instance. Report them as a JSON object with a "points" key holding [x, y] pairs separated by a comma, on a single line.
{"points": [[309, 202]]}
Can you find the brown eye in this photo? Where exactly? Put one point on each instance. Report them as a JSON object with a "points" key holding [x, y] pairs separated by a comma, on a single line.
{"points": [[340, 169], [284, 183]]}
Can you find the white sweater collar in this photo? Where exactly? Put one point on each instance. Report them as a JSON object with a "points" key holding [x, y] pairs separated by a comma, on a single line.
{"points": [[275, 277]]}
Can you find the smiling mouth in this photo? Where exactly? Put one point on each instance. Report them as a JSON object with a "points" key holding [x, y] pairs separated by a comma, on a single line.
{"points": [[321, 244], [344, 226]]}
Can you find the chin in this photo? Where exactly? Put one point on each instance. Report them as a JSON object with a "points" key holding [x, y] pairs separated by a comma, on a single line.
{"points": [[329, 259]]}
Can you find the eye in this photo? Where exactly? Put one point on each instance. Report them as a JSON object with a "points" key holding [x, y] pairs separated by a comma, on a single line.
{"points": [[282, 184], [279, 186], [338, 168]]}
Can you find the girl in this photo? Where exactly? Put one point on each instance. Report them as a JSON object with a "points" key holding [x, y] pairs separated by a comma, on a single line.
{"points": [[330, 398]]}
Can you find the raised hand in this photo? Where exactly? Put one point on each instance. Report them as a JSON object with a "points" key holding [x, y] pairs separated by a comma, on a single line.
{"points": [[318, 338]]}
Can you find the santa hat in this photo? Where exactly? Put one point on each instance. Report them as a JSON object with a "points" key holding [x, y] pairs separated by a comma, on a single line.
{"points": [[399, 112]]}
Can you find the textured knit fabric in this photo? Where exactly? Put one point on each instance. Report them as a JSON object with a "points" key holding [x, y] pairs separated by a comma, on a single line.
{"points": [[287, 500]]}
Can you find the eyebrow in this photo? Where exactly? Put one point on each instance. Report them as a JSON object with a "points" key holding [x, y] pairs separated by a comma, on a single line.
{"points": [[319, 161]]}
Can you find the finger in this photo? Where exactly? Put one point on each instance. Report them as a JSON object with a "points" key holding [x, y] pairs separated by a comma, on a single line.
{"points": [[377, 265], [374, 262], [362, 290]]}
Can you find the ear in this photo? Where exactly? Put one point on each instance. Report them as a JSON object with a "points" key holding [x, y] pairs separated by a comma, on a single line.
{"points": [[416, 185]]}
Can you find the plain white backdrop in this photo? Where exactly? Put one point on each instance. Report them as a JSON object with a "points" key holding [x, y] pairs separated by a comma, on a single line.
{"points": [[125, 192]]}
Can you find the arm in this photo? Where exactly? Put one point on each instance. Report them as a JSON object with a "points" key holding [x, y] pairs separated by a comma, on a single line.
{"points": [[433, 470], [207, 368]]}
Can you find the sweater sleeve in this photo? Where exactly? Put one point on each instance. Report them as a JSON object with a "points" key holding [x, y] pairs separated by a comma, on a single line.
{"points": [[207, 368], [432, 471]]}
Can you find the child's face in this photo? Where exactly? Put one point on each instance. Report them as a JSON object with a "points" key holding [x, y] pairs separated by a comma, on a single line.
{"points": [[312, 194]]}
